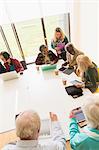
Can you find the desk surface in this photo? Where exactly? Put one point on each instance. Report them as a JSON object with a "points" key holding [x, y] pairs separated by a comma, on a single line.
{"points": [[37, 90]]}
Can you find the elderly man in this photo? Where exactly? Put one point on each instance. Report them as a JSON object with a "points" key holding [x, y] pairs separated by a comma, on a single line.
{"points": [[28, 128]]}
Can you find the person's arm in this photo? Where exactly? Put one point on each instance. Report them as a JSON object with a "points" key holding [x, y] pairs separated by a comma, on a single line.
{"points": [[2, 68], [53, 44], [73, 128], [57, 133], [73, 61], [18, 66], [66, 40], [92, 84], [53, 57], [76, 137], [39, 60]]}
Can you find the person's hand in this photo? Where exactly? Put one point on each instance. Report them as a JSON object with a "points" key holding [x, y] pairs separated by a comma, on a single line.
{"points": [[71, 115], [47, 62], [65, 64], [58, 50], [70, 67], [53, 117], [52, 62], [79, 85]]}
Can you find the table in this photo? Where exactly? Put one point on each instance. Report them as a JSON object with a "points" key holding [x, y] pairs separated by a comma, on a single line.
{"points": [[40, 91]]}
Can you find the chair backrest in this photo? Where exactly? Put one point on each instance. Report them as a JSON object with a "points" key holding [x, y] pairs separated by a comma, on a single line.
{"points": [[23, 64], [98, 74]]}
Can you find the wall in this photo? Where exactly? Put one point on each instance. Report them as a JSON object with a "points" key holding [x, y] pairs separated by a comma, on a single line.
{"points": [[84, 27]]}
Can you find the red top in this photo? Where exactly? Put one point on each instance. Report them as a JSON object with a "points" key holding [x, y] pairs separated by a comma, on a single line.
{"points": [[18, 66]]}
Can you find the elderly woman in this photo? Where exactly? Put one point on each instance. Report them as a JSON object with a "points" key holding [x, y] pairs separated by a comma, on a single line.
{"points": [[58, 43], [89, 138], [45, 56], [28, 128], [88, 73], [72, 54]]}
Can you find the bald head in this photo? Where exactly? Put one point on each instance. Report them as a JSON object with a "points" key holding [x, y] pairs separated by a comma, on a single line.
{"points": [[28, 125]]}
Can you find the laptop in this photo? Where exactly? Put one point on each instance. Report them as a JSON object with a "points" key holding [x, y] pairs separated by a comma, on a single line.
{"points": [[48, 67], [45, 131], [9, 76]]}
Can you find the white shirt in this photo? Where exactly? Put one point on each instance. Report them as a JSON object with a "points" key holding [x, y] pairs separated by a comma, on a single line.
{"points": [[58, 141]]}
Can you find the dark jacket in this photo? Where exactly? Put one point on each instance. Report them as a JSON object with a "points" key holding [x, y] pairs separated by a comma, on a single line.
{"points": [[2, 68], [91, 78], [40, 60]]}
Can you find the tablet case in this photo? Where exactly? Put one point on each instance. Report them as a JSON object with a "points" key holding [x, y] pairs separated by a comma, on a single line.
{"points": [[74, 91]]}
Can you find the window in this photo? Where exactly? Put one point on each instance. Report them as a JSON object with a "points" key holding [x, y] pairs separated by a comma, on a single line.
{"points": [[52, 22], [2, 44], [31, 37], [11, 41]]}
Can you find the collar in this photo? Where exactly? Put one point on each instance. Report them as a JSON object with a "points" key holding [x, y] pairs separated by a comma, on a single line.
{"points": [[27, 143], [91, 132]]}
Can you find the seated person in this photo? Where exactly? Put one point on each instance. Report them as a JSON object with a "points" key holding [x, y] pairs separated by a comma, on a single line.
{"points": [[45, 56], [2, 68], [88, 139], [27, 129], [58, 43], [11, 64], [72, 54], [88, 73]]}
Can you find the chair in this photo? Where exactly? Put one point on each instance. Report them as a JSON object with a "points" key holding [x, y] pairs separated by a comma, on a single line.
{"points": [[98, 74], [97, 91], [23, 64]]}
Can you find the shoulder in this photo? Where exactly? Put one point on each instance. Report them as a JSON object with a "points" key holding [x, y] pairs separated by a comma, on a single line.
{"points": [[9, 147], [40, 55], [50, 52], [91, 70], [79, 139], [65, 38], [53, 145], [14, 60]]}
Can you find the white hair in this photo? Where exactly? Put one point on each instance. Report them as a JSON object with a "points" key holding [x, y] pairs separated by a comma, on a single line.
{"points": [[28, 125], [91, 109]]}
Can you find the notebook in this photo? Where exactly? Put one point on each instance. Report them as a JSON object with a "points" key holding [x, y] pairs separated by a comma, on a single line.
{"points": [[45, 131], [9, 76]]}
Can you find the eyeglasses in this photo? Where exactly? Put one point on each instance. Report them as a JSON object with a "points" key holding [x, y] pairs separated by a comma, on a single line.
{"points": [[58, 30], [17, 115]]}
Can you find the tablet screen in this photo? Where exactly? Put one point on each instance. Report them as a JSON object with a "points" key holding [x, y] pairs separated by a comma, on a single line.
{"points": [[80, 116]]}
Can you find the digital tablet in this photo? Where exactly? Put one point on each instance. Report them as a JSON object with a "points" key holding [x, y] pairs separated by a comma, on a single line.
{"points": [[76, 82], [68, 71], [79, 115]]}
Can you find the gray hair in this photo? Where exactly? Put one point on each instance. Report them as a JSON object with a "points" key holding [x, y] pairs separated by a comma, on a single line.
{"points": [[28, 125], [91, 109]]}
